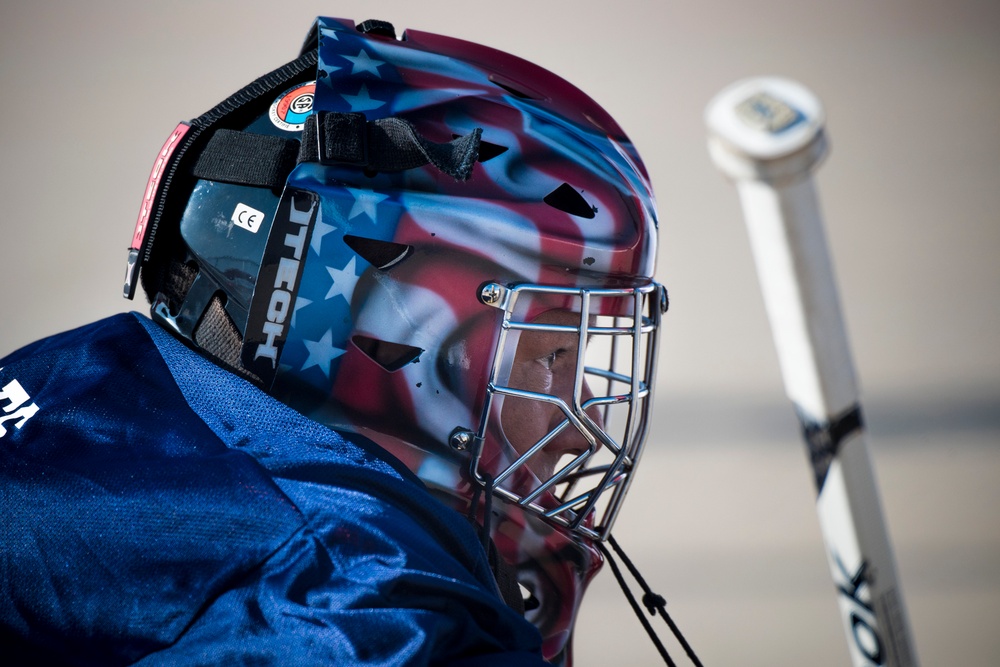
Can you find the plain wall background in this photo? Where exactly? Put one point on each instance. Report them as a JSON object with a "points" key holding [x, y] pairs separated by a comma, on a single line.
{"points": [[721, 519]]}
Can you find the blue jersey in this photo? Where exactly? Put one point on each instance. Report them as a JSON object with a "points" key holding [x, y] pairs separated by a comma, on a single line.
{"points": [[159, 510]]}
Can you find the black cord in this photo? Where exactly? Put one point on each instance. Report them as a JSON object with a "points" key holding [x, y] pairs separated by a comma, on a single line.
{"points": [[653, 602], [635, 606]]}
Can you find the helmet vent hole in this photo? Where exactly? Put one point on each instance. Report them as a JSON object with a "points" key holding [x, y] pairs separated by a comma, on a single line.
{"points": [[383, 255], [512, 88], [566, 198], [487, 151], [390, 356]]}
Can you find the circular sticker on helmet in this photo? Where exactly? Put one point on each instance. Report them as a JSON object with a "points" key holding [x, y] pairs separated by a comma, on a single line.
{"points": [[292, 107]]}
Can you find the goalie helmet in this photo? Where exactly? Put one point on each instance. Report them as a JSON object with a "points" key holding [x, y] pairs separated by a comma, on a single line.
{"points": [[439, 247]]}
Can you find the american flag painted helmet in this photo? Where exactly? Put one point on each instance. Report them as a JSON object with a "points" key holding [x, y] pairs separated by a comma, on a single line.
{"points": [[405, 239]]}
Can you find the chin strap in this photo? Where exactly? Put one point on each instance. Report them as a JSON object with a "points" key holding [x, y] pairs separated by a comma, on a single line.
{"points": [[504, 573], [654, 603]]}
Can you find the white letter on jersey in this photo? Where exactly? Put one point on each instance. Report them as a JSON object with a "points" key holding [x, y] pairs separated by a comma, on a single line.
{"points": [[15, 395]]}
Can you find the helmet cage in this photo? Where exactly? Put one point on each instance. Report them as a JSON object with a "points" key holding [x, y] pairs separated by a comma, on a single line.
{"points": [[616, 357]]}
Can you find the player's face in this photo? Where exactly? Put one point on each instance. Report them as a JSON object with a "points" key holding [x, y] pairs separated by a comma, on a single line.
{"points": [[545, 362]]}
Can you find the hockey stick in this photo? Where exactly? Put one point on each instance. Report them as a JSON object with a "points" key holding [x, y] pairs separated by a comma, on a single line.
{"points": [[767, 135]]}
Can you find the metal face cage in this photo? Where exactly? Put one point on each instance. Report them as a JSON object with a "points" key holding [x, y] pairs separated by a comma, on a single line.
{"points": [[591, 424]]}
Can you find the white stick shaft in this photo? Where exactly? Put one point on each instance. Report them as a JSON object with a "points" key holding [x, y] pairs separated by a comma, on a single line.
{"points": [[800, 295], [767, 135], [796, 277]]}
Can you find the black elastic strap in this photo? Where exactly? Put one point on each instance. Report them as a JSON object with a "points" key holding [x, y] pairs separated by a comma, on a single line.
{"points": [[506, 578], [377, 27], [504, 573], [384, 144], [332, 138], [217, 334], [244, 158]]}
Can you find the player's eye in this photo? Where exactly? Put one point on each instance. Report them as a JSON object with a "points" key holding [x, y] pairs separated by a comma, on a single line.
{"points": [[551, 358]]}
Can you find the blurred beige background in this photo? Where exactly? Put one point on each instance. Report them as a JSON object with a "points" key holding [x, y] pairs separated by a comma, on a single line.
{"points": [[721, 520]]}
